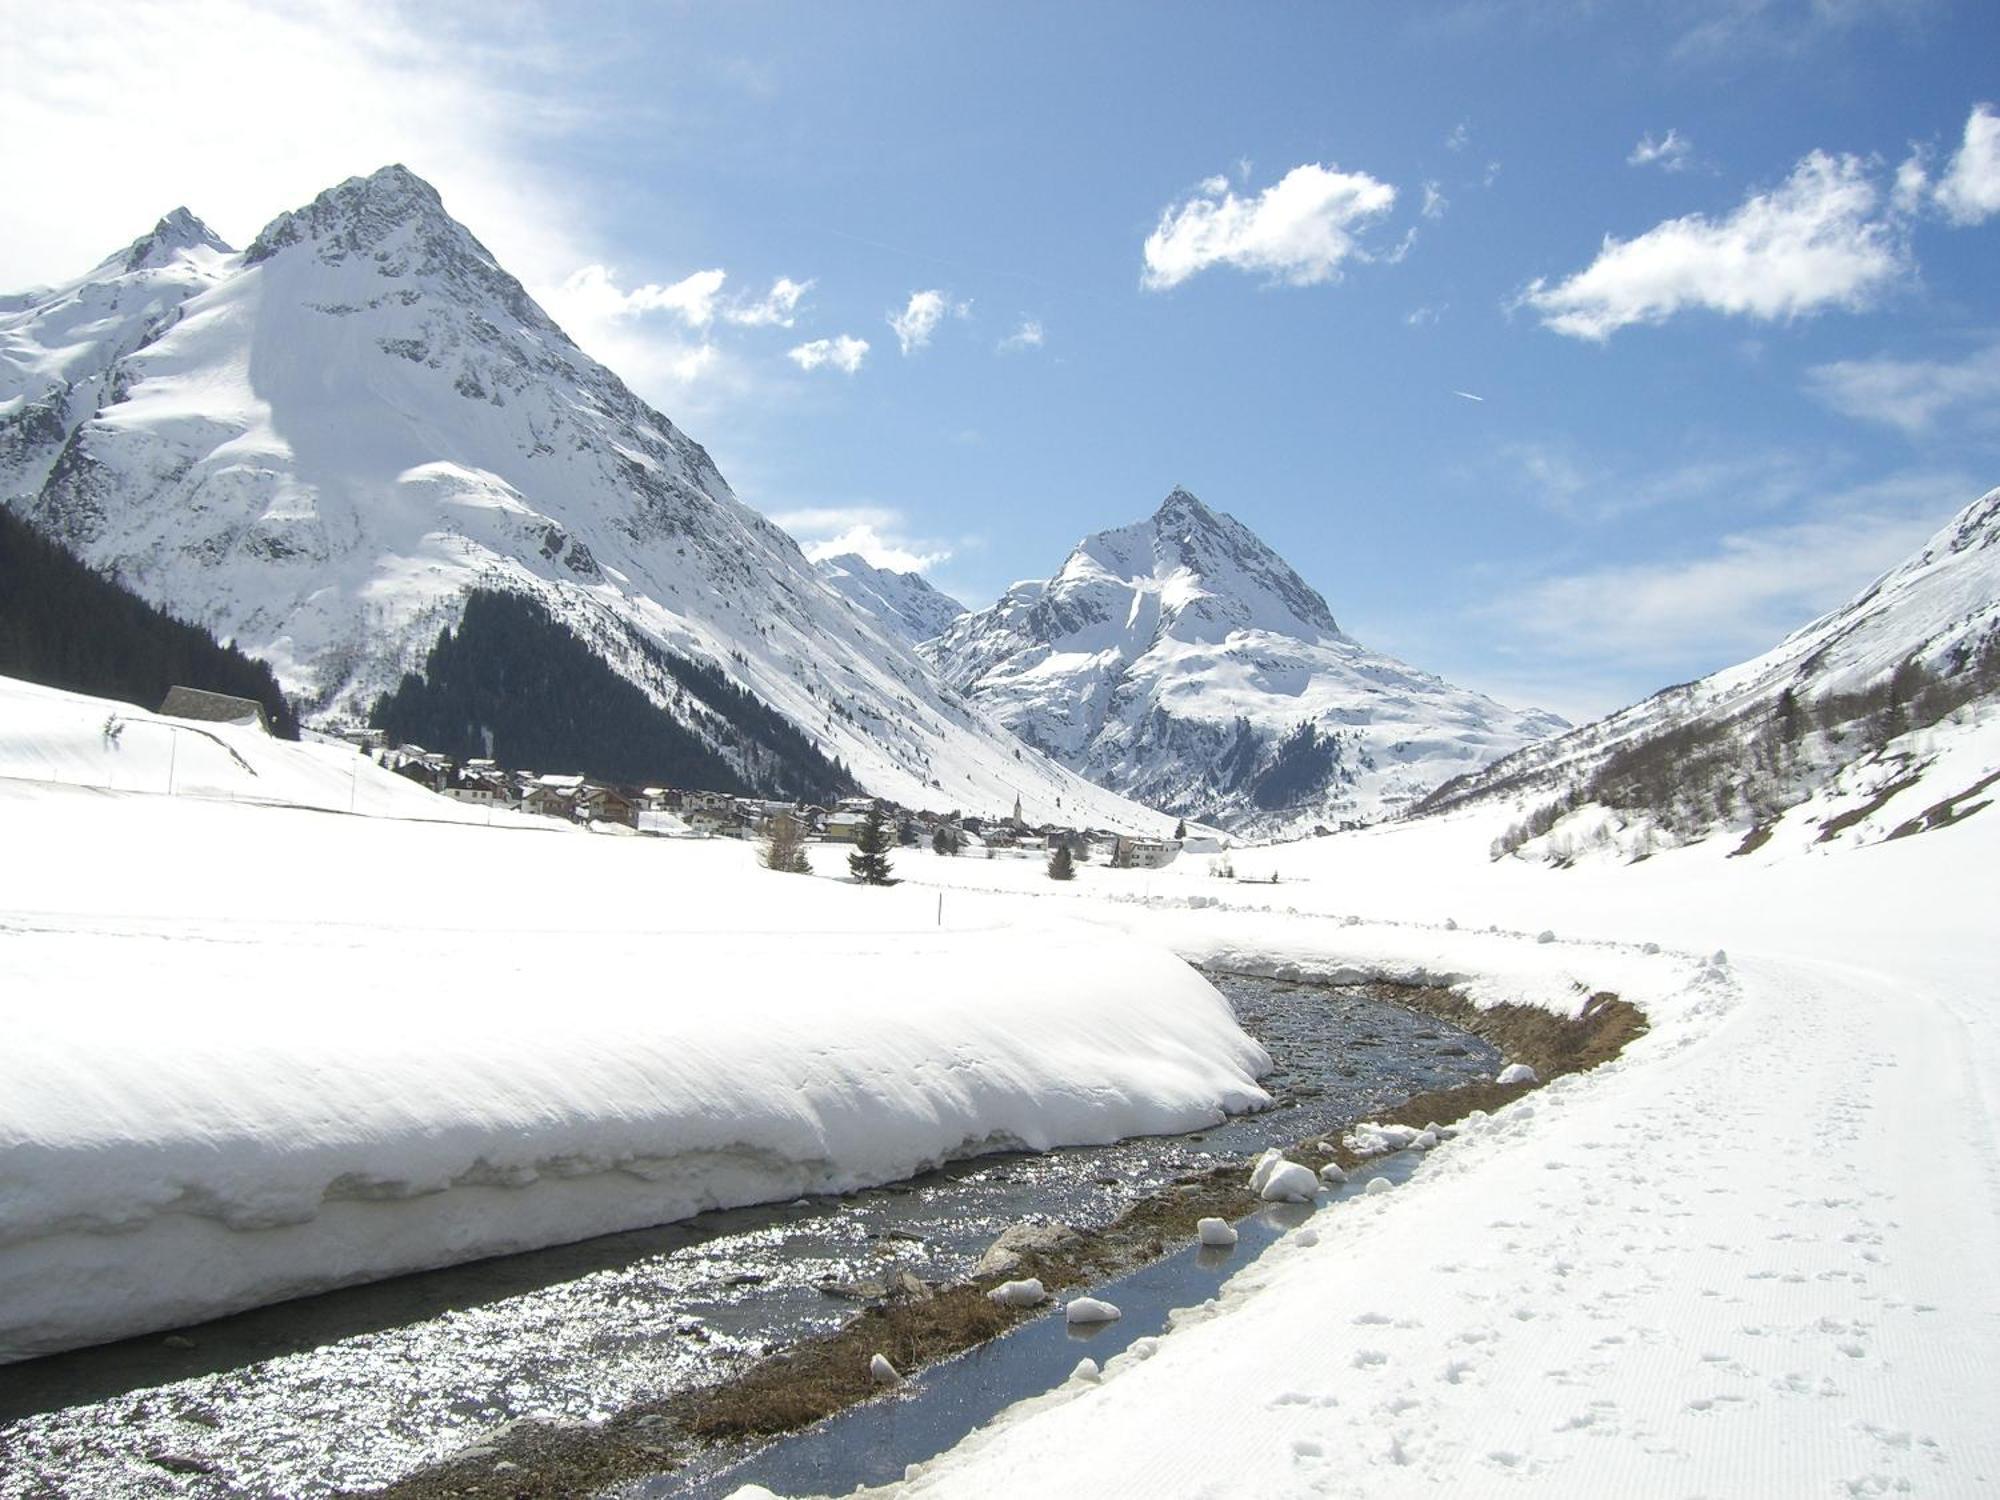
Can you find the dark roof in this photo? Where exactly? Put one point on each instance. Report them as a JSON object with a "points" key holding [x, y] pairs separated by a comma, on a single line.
{"points": [[217, 708]]}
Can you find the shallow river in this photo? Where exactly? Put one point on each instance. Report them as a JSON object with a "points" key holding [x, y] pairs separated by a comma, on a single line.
{"points": [[354, 1388]]}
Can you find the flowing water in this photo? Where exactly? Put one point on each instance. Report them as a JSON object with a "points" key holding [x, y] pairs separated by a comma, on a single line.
{"points": [[354, 1388]]}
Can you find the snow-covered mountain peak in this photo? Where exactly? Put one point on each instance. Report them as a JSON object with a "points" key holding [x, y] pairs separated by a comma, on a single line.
{"points": [[1183, 661], [1207, 573], [175, 234], [321, 447]]}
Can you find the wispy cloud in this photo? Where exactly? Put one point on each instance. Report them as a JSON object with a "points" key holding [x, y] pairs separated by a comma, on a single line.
{"points": [[1913, 394], [1435, 202], [1671, 153], [1297, 231], [1425, 316], [921, 316], [843, 352], [878, 534], [1027, 336], [772, 310], [1460, 137], [1736, 598], [1818, 240]]}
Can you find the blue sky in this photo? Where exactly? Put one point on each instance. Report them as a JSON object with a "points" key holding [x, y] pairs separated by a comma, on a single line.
{"points": [[1720, 272]]}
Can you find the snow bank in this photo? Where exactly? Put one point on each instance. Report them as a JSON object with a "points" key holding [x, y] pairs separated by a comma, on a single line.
{"points": [[254, 1052]]}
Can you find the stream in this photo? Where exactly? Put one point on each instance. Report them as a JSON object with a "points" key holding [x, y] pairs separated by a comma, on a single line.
{"points": [[354, 1388]]}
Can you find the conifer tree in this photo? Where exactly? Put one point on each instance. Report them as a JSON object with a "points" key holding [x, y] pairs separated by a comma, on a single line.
{"points": [[1062, 866], [869, 863]]}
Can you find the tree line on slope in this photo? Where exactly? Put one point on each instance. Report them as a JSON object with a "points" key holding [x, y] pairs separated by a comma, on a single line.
{"points": [[65, 625], [514, 683], [1693, 777]]}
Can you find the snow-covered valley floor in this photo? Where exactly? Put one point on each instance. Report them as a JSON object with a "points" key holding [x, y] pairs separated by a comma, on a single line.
{"points": [[1751, 1257]]}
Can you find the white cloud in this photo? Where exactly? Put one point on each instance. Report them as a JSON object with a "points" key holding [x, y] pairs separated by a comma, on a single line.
{"points": [[1460, 137], [691, 299], [842, 352], [1425, 316], [1911, 394], [921, 315], [467, 100], [874, 532], [1969, 190], [1298, 231], [1816, 241], [1027, 336], [774, 309], [1435, 202], [1669, 154]]}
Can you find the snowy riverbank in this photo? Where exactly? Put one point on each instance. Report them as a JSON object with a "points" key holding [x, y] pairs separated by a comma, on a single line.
{"points": [[254, 1050], [1752, 1256]]}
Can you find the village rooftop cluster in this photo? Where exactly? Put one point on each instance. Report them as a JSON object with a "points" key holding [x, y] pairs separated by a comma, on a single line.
{"points": [[687, 812]]}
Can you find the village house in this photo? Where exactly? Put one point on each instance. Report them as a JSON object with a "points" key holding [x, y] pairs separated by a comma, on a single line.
{"points": [[1144, 854], [843, 826], [553, 796], [484, 787], [603, 804], [713, 822]]}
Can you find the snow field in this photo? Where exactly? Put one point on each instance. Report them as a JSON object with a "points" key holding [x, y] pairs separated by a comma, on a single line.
{"points": [[258, 1051]]}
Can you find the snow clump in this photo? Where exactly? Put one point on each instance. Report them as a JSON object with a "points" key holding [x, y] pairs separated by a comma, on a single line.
{"points": [[1217, 1234], [1378, 1185], [882, 1372], [1517, 1073], [1265, 1166], [1546, 935], [1028, 1293], [1371, 1139], [1086, 1369], [1333, 1174], [1090, 1310], [1289, 1182]]}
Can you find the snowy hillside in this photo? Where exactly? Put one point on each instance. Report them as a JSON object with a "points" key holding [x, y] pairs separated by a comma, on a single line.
{"points": [[1864, 703], [1182, 662], [337, 434], [903, 602]]}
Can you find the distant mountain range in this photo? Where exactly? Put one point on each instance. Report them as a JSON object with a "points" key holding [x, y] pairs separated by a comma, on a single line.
{"points": [[1182, 662], [320, 446]]}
